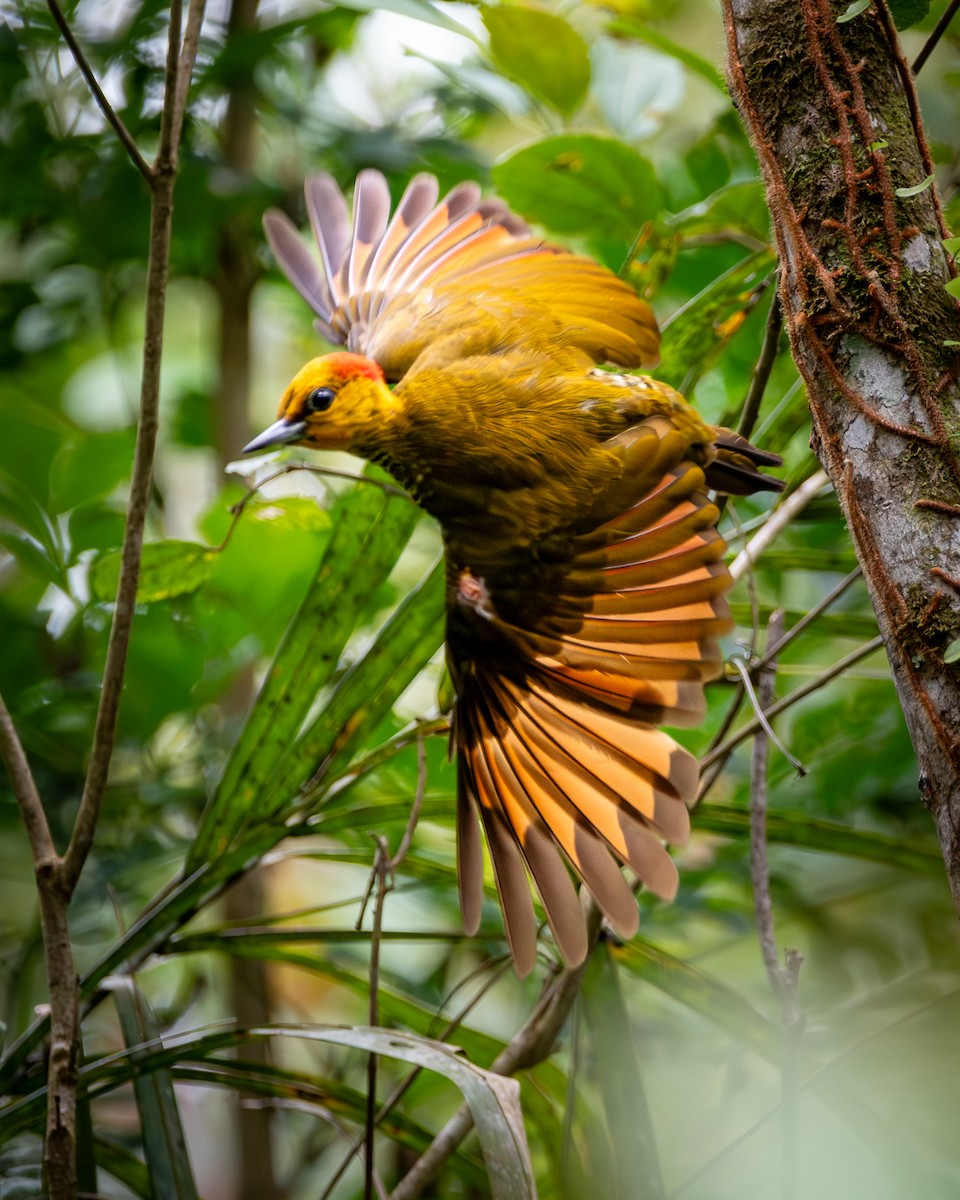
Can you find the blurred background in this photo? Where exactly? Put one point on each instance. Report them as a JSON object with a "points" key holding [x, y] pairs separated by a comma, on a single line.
{"points": [[681, 1072]]}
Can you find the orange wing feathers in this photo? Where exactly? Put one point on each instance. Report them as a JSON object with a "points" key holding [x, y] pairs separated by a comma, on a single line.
{"points": [[585, 581]]}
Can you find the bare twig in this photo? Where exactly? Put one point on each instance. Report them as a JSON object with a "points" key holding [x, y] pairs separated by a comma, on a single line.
{"points": [[763, 368], [784, 980], [744, 672], [123, 133], [57, 877], [188, 56], [759, 871], [938, 31], [773, 650], [781, 516], [798, 694], [28, 798], [382, 878]]}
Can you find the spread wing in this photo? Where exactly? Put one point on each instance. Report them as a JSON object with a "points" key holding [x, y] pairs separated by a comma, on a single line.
{"points": [[564, 672], [381, 283]]}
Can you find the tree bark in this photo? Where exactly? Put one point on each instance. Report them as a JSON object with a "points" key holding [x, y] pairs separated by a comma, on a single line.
{"points": [[833, 114]]}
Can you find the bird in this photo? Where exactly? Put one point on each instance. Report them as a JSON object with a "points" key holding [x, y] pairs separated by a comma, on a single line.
{"points": [[494, 376]]}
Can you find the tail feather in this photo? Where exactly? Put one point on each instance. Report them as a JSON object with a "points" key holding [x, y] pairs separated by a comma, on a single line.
{"points": [[562, 683]]}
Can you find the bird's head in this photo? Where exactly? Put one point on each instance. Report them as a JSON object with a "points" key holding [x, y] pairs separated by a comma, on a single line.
{"points": [[338, 402]]}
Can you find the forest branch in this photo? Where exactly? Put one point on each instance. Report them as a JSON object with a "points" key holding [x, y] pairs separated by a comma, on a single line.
{"points": [[110, 114], [57, 877], [832, 111]]}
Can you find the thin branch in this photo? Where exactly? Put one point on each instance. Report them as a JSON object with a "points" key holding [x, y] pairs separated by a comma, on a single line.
{"points": [[938, 31], [24, 786], [162, 181], [800, 693], [188, 56], [781, 516], [758, 706], [382, 878], [122, 132], [763, 368], [808, 618], [759, 870], [712, 774]]}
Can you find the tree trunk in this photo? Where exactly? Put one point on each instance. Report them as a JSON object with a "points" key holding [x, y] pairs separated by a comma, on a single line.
{"points": [[832, 112]]}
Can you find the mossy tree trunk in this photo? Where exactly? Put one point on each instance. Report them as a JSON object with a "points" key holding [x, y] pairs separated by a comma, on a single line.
{"points": [[832, 112]]}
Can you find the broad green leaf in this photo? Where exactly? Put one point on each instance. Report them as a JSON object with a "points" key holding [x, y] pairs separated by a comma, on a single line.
{"points": [[623, 1161], [167, 569], [363, 696], [290, 512], [581, 184], [163, 1142], [738, 208], [697, 332], [908, 12], [635, 87], [419, 10], [87, 469], [540, 51], [370, 528], [494, 1100], [827, 837], [653, 37], [953, 288]]}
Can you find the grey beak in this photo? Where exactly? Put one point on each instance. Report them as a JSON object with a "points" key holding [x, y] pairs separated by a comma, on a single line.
{"points": [[277, 434]]}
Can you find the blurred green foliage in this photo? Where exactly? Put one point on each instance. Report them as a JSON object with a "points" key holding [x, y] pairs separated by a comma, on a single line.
{"points": [[608, 128]]}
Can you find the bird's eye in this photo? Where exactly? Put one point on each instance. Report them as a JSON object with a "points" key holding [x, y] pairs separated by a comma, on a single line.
{"points": [[320, 399]]}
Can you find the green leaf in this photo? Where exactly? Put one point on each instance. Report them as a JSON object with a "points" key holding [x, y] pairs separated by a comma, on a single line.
{"points": [[953, 287], [370, 528], [581, 184], [826, 837], [90, 468], [904, 192], [652, 37], [163, 1141], [540, 51], [740, 207], [419, 10], [951, 245], [952, 652], [695, 334], [32, 558], [854, 10], [494, 1100], [167, 569], [908, 12], [363, 695], [622, 1151], [290, 512]]}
